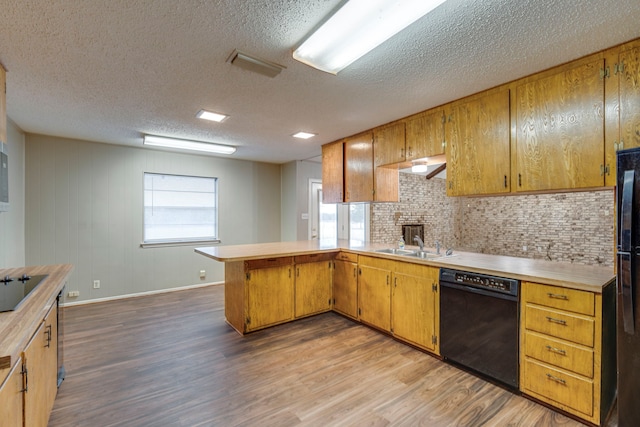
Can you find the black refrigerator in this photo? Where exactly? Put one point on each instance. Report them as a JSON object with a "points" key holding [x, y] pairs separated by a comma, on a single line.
{"points": [[628, 301]]}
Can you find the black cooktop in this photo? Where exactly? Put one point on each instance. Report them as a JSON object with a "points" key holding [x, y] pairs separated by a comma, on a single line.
{"points": [[13, 290]]}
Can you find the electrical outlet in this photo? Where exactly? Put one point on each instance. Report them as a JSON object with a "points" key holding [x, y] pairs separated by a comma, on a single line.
{"points": [[96, 284], [203, 274], [73, 294]]}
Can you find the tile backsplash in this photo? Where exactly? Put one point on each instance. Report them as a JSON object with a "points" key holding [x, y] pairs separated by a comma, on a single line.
{"points": [[573, 227]]}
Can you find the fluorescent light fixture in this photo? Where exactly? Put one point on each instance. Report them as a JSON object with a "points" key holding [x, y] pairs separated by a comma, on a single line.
{"points": [[358, 27], [208, 115], [303, 135], [184, 144]]}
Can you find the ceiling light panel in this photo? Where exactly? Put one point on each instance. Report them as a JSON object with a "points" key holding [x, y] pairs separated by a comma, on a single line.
{"points": [[303, 135], [184, 144], [209, 115], [358, 27]]}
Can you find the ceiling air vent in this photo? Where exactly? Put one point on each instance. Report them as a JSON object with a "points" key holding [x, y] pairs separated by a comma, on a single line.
{"points": [[257, 65]]}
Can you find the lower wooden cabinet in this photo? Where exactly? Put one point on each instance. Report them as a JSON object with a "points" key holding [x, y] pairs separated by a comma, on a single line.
{"points": [[313, 284], [345, 284], [11, 398], [567, 354], [415, 305], [374, 292]]}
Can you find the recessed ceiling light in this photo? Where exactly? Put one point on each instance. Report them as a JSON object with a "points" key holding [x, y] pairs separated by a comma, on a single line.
{"points": [[184, 144], [208, 115], [304, 135]]}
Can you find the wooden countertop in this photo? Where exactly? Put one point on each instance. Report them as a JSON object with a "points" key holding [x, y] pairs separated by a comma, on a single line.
{"points": [[575, 276], [17, 327]]}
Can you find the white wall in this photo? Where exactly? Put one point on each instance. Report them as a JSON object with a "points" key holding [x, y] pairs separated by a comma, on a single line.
{"points": [[84, 207], [295, 197], [12, 242]]}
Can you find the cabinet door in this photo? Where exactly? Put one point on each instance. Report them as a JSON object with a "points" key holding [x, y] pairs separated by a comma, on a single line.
{"points": [[478, 135], [313, 288], [269, 296], [345, 288], [332, 172], [11, 398], [374, 296], [415, 302], [358, 176], [425, 135], [40, 360], [560, 130], [629, 80], [389, 144]]}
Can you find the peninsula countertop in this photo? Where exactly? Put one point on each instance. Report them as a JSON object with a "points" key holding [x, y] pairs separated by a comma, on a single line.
{"points": [[575, 276], [17, 327]]}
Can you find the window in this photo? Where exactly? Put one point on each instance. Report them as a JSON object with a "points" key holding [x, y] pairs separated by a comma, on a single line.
{"points": [[179, 209]]}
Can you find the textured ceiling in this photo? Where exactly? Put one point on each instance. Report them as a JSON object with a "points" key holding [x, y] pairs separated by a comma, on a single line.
{"points": [[111, 71]]}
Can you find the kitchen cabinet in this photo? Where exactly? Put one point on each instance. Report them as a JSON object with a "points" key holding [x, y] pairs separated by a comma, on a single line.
{"points": [[389, 144], [345, 284], [415, 305], [11, 398], [424, 134], [332, 172], [259, 293], [478, 145], [358, 164], [567, 356], [313, 284], [40, 366], [560, 130], [374, 292], [622, 98]]}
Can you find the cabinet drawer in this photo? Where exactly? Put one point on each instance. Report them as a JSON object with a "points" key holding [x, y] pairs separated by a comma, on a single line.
{"points": [[559, 386], [303, 259], [345, 256], [565, 299], [558, 324], [559, 353], [268, 262]]}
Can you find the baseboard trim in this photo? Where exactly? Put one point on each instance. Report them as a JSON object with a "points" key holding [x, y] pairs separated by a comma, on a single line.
{"points": [[140, 294]]}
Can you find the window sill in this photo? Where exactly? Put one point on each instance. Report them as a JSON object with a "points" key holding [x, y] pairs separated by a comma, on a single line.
{"points": [[184, 243]]}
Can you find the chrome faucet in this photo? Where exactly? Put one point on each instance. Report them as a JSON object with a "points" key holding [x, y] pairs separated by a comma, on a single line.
{"points": [[437, 247], [418, 240]]}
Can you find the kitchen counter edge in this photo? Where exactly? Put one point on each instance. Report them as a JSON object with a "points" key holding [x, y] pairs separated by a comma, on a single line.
{"points": [[575, 276]]}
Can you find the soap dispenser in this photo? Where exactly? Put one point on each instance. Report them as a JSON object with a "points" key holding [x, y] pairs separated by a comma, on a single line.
{"points": [[401, 243]]}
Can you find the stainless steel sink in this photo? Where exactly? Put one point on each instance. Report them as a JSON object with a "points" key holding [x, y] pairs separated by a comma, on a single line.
{"points": [[394, 251], [423, 255]]}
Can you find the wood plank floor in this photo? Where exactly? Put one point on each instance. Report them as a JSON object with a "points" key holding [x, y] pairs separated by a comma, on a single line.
{"points": [[170, 360]]}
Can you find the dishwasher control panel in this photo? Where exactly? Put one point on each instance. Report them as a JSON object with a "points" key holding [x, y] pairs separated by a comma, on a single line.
{"points": [[483, 281]]}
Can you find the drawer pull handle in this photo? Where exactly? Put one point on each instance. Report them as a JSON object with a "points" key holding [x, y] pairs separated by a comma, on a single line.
{"points": [[557, 296], [556, 379], [557, 350], [558, 321]]}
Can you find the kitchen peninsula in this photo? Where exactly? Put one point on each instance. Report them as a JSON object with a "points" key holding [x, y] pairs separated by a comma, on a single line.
{"points": [[567, 362]]}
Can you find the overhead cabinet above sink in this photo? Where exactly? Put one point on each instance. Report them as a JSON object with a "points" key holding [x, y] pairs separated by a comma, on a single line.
{"points": [[556, 130]]}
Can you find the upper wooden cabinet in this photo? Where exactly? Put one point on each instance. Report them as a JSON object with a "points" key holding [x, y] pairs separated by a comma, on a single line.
{"points": [[3, 104], [424, 134], [478, 138], [332, 172], [560, 129], [358, 168], [622, 98], [389, 144]]}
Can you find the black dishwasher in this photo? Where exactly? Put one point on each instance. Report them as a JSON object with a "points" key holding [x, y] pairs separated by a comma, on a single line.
{"points": [[479, 317]]}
